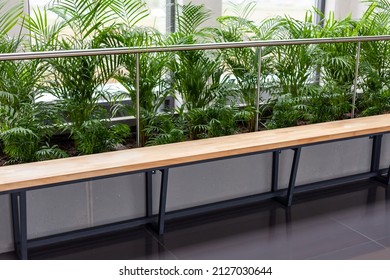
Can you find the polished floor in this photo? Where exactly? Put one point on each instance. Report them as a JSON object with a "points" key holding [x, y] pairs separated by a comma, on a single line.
{"points": [[347, 222]]}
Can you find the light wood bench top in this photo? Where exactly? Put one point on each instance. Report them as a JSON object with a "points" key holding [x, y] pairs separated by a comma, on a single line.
{"points": [[83, 167]]}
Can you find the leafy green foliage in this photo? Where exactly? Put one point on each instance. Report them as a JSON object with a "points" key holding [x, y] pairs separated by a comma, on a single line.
{"points": [[9, 17], [190, 18], [287, 110], [44, 35], [328, 103], [294, 65], [206, 82], [24, 132], [213, 121], [94, 136], [24, 121], [164, 129], [375, 63], [153, 72], [20, 144], [241, 62], [337, 61], [318, 104], [47, 152], [78, 87], [375, 103]]}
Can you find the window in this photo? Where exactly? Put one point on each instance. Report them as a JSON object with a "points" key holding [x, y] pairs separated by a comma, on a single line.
{"points": [[262, 10], [270, 8], [155, 19]]}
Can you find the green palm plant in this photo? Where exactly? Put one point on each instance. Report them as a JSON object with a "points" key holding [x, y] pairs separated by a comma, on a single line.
{"points": [[10, 17], [24, 121], [375, 64], [79, 83], [43, 33], [205, 83], [287, 110], [293, 71], [164, 128], [337, 61], [27, 135], [218, 120], [294, 65], [336, 68], [25, 124], [241, 62], [153, 72]]}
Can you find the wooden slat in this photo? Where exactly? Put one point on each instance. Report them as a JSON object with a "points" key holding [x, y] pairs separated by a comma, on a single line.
{"points": [[82, 167]]}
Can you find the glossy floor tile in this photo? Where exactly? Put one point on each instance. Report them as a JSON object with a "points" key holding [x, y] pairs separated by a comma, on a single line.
{"points": [[347, 222], [135, 244]]}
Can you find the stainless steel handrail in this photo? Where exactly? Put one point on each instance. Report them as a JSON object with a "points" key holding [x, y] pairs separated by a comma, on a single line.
{"points": [[208, 46]]}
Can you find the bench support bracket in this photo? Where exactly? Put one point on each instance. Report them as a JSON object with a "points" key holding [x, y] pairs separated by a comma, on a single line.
{"points": [[376, 152], [149, 193], [293, 176], [275, 170], [375, 160], [163, 201], [287, 201]]}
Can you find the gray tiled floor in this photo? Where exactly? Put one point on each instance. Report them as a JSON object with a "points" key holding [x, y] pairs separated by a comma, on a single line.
{"points": [[348, 222]]}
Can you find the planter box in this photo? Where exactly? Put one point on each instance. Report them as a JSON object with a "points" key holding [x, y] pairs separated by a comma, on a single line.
{"points": [[82, 205]]}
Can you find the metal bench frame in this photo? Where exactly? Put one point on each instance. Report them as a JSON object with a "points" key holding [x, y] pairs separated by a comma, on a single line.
{"points": [[285, 196]]}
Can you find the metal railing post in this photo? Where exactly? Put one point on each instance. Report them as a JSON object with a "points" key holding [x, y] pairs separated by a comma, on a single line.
{"points": [[356, 79], [259, 59], [138, 115]]}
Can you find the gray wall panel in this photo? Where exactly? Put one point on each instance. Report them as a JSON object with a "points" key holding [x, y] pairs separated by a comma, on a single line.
{"points": [[6, 240], [327, 161], [59, 209], [220, 180], [117, 199], [385, 155]]}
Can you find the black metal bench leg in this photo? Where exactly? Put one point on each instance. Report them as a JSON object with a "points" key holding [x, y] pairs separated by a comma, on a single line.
{"points": [[19, 221], [376, 152], [23, 226], [375, 159], [15, 220], [293, 176], [163, 201], [148, 193], [275, 170]]}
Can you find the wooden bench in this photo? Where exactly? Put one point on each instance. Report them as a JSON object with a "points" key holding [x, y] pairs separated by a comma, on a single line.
{"points": [[16, 180]]}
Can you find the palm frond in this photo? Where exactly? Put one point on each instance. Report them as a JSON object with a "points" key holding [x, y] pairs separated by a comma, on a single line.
{"points": [[84, 17], [129, 12], [9, 17], [190, 17]]}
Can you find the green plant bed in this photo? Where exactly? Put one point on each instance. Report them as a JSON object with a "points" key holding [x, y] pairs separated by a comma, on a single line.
{"points": [[304, 83]]}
